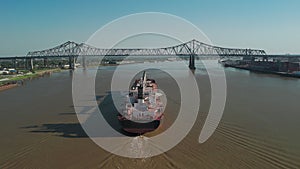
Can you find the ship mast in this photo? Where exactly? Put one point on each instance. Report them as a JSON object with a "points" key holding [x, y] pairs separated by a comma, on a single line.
{"points": [[141, 87]]}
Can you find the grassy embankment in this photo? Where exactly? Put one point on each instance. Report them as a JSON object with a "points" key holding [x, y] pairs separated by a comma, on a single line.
{"points": [[25, 76]]}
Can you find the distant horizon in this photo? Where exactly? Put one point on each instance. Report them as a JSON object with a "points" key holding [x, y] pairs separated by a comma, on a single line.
{"points": [[271, 25]]}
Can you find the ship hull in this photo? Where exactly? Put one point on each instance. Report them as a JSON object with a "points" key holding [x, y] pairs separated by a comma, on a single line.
{"points": [[138, 128]]}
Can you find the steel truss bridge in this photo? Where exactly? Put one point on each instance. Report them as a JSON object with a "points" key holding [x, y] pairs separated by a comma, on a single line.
{"points": [[191, 49]]}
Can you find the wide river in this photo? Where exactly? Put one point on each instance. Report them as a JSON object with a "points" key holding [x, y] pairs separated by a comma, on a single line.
{"points": [[259, 127]]}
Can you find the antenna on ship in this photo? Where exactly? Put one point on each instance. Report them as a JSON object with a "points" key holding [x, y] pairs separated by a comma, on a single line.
{"points": [[141, 89], [144, 79]]}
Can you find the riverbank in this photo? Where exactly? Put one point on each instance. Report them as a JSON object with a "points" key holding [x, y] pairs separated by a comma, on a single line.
{"points": [[245, 67], [7, 86], [11, 81]]}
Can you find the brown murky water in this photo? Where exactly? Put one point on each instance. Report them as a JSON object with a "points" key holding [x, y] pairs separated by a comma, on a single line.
{"points": [[259, 128]]}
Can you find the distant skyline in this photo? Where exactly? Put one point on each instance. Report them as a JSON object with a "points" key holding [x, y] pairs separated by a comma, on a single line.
{"points": [[272, 25]]}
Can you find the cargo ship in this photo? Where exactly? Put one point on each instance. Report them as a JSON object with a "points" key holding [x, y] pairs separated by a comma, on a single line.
{"points": [[144, 107]]}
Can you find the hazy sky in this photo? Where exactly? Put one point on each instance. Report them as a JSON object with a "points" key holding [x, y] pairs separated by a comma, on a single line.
{"points": [[273, 25]]}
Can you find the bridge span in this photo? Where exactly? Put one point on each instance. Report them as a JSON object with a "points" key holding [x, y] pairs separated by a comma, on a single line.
{"points": [[191, 49]]}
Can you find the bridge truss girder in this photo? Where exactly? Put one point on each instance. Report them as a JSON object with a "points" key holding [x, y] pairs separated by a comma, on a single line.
{"points": [[192, 47]]}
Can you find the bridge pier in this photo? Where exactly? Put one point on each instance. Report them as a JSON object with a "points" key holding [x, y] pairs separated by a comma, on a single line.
{"points": [[71, 62], [84, 62], [25, 63], [29, 63], [45, 62], [15, 63], [192, 62]]}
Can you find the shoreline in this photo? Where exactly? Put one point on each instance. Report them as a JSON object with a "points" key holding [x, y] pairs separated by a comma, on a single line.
{"points": [[263, 71], [8, 86], [16, 81]]}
